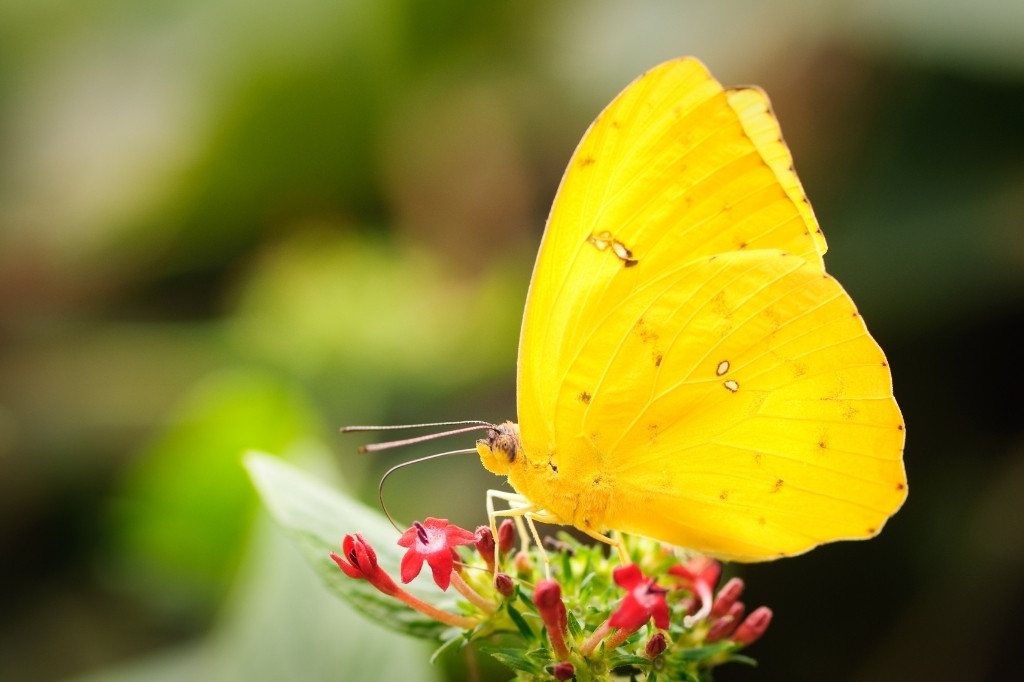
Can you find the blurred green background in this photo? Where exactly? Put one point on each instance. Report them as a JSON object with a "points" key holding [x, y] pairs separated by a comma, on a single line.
{"points": [[229, 225]]}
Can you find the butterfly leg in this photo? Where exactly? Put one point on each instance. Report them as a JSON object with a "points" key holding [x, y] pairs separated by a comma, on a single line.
{"points": [[519, 508], [615, 540]]}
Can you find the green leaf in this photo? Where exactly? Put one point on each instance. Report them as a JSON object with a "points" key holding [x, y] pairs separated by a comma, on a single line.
{"points": [[701, 652], [454, 641], [520, 622], [745, 660], [629, 659], [516, 659], [525, 597], [575, 628], [317, 518]]}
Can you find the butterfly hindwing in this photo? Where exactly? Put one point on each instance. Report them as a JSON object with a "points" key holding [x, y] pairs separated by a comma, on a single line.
{"points": [[736, 405]]}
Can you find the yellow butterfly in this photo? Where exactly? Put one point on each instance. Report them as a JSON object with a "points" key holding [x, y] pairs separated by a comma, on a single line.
{"points": [[688, 371]]}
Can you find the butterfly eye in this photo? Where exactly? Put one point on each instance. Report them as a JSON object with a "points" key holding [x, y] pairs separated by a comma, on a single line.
{"points": [[503, 439], [506, 443]]}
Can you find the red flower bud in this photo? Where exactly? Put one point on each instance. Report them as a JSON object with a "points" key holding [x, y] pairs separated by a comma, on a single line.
{"points": [[655, 645], [724, 626], [548, 598], [727, 596], [754, 626], [504, 585], [522, 563], [563, 671], [360, 562], [506, 536], [485, 545]]}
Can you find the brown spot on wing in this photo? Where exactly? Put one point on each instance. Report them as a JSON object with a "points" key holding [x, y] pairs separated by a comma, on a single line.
{"points": [[652, 432]]}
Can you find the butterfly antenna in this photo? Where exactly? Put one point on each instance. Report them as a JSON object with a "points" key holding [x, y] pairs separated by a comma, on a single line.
{"points": [[473, 425], [380, 486]]}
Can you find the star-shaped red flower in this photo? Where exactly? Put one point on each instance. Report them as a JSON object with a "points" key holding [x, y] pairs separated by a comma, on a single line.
{"points": [[433, 541], [644, 599]]}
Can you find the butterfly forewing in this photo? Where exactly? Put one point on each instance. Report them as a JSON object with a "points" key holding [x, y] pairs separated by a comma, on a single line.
{"points": [[687, 370], [670, 173]]}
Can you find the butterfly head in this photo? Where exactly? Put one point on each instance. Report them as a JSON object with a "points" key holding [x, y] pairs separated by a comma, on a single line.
{"points": [[500, 450]]}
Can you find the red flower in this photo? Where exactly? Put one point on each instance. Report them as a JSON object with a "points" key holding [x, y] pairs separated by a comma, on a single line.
{"points": [[699, 576], [360, 562], [643, 600], [434, 541]]}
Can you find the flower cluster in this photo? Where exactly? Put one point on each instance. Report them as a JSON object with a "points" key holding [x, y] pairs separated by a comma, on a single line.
{"points": [[661, 617]]}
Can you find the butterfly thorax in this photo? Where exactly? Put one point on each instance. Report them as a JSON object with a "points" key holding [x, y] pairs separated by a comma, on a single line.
{"points": [[538, 477]]}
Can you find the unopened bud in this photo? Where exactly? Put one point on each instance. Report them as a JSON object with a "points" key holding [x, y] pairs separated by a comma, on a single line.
{"points": [[504, 585], [655, 645], [727, 596], [563, 671], [506, 536], [485, 545], [722, 627], [522, 563], [754, 626], [548, 598]]}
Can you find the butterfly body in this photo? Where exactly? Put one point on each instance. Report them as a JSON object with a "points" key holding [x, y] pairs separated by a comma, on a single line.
{"points": [[688, 371]]}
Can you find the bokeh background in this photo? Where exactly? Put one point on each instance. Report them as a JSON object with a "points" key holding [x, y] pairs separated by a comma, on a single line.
{"points": [[230, 225]]}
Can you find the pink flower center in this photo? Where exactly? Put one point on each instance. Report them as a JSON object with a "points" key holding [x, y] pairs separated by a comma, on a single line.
{"points": [[432, 542]]}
